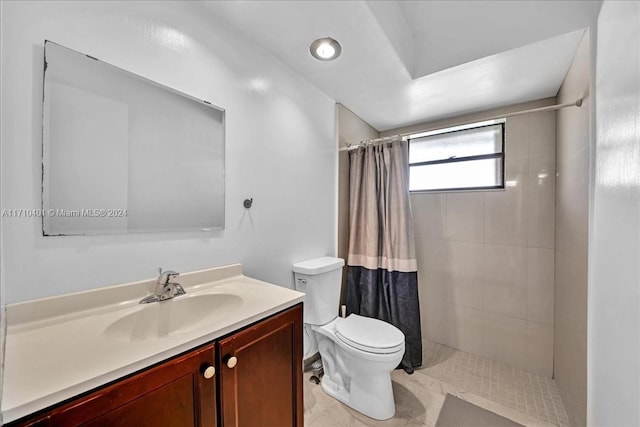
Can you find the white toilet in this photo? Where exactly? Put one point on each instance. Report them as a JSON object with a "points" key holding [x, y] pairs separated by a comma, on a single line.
{"points": [[358, 353]]}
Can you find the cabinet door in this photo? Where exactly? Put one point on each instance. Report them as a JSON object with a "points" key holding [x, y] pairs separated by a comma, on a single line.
{"points": [[174, 393], [261, 373]]}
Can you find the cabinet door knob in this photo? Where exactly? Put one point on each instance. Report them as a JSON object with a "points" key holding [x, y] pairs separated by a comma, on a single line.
{"points": [[232, 361], [209, 372]]}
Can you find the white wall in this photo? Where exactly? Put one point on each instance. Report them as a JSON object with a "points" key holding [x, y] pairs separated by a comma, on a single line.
{"points": [[614, 265], [280, 146], [486, 258], [2, 311]]}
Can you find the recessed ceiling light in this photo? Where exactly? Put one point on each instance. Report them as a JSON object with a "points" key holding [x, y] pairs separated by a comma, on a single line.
{"points": [[325, 49]]}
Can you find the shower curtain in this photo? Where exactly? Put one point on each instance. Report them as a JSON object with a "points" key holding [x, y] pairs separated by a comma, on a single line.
{"points": [[382, 278]]}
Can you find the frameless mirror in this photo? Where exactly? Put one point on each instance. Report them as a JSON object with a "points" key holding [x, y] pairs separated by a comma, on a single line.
{"points": [[122, 154]]}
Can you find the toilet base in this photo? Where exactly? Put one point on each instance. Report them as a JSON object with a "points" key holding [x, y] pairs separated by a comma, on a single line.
{"points": [[359, 379], [379, 406]]}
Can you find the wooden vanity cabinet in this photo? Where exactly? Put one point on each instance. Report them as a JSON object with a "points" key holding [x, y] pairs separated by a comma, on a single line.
{"points": [[261, 373], [255, 380], [172, 394]]}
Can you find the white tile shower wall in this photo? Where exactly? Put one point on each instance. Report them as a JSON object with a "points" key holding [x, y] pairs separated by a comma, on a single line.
{"points": [[280, 146], [572, 222], [486, 259]]}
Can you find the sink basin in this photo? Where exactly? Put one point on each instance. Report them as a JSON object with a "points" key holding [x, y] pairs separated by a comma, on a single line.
{"points": [[172, 317]]}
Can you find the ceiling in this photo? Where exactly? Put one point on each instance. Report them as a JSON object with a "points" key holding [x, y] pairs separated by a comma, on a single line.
{"points": [[407, 62]]}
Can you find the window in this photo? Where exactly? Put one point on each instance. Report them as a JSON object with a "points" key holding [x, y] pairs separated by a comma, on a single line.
{"points": [[469, 157]]}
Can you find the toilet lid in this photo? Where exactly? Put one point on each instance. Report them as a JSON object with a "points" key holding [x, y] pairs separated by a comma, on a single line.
{"points": [[372, 335]]}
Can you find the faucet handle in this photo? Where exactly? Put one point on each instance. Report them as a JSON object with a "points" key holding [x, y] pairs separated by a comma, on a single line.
{"points": [[166, 276]]}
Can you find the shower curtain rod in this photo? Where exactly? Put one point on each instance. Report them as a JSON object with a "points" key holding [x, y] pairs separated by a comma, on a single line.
{"points": [[577, 103]]}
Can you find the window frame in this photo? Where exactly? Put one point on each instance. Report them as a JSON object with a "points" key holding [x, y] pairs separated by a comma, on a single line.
{"points": [[500, 155]]}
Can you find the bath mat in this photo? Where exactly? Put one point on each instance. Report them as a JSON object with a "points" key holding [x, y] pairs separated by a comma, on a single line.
{"points": [[459, 413]]}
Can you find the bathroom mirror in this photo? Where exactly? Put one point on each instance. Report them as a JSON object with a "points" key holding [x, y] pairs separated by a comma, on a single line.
{"points": [[122, 154]]}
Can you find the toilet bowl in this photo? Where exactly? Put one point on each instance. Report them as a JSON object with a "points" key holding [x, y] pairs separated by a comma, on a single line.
{"points": [[358, 353]]}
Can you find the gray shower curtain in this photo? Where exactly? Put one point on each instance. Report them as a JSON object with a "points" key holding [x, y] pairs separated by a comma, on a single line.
{"points": [[382, 278]]}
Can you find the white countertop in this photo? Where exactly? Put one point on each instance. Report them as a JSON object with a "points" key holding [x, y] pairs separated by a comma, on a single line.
{"points": [[56, 348]]}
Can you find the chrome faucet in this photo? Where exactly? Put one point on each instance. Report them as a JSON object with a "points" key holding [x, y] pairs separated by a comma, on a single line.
{"points": [[165, 288]]}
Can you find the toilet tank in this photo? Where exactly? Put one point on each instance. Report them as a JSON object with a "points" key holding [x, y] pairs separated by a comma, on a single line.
{"points": [[320, 279]]}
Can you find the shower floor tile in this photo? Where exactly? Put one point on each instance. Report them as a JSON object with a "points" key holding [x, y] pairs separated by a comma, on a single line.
{"points": [[521, 396]]}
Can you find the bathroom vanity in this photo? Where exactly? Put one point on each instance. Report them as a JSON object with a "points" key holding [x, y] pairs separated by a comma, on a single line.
{"points": [[241, 367]]}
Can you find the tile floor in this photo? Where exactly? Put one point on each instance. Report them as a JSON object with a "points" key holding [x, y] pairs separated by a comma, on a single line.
{"points": [[521, 396]]}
